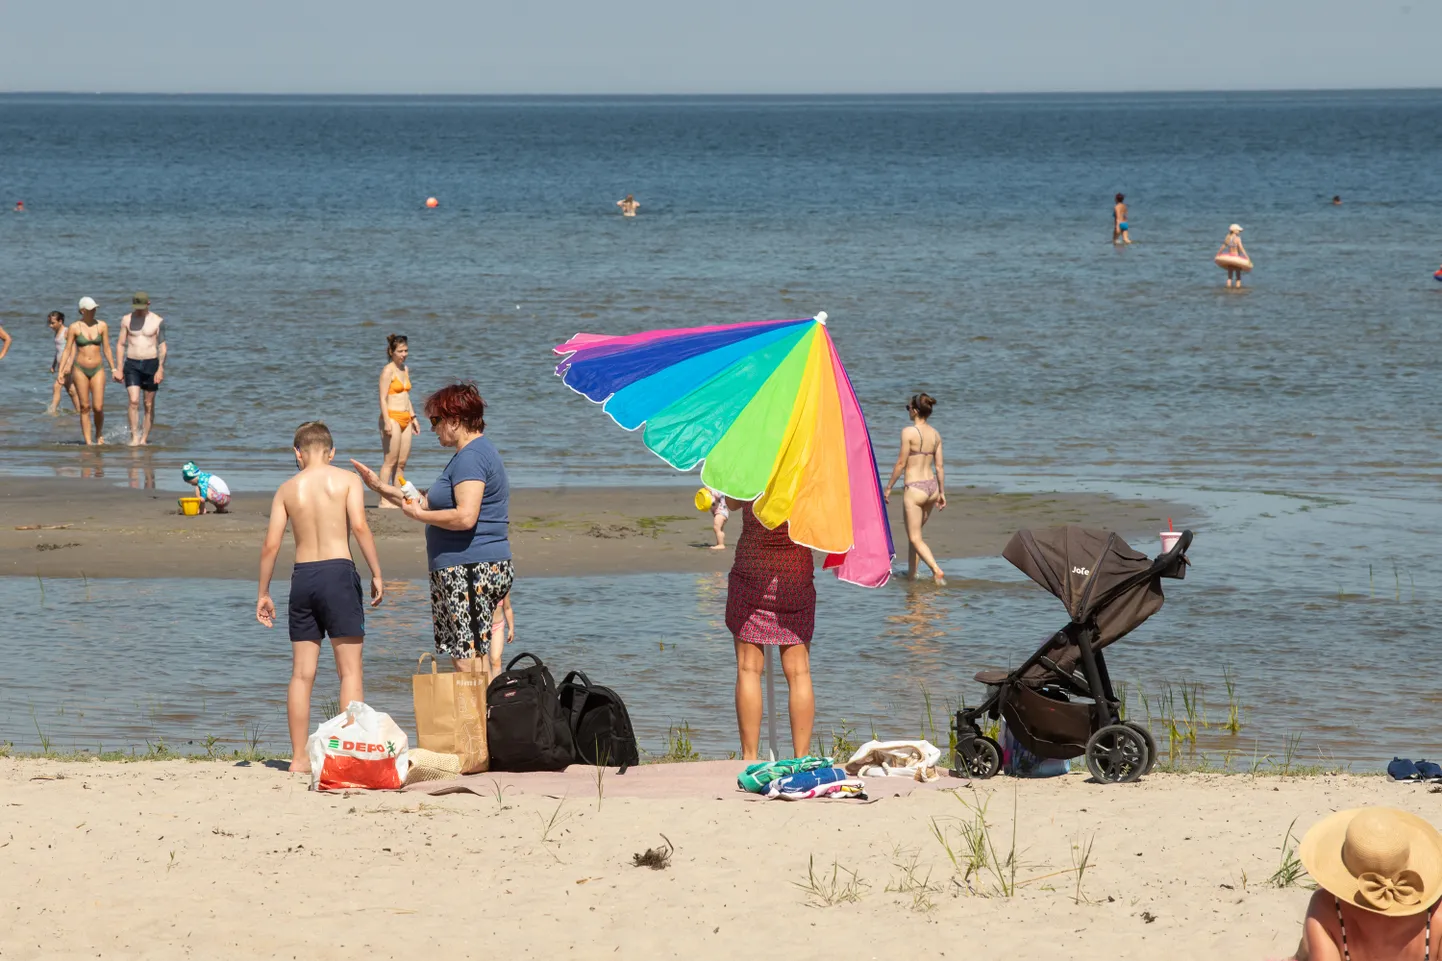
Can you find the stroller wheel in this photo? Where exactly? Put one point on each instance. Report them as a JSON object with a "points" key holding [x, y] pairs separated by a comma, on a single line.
{"points": [[1117, 754], [1146, 734], [986, 761]]}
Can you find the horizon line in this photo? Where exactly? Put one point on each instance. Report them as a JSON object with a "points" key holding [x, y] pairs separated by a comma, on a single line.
{"points": [[720, 94]]}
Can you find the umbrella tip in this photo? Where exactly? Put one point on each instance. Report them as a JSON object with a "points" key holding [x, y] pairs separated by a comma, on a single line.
{"points": [[821, 317]]}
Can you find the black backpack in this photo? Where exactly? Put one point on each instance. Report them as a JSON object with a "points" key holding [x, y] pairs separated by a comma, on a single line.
{"points": [[600, 726], [526, 729]]}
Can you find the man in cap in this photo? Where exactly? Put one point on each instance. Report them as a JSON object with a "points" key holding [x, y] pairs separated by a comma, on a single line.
{"points": [[142, 362]]}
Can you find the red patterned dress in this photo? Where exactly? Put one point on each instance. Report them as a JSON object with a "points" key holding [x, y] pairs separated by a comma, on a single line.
{"points": [[771, 597]]}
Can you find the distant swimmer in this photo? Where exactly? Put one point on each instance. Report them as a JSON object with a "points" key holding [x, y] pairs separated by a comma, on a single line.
{"points": [[1232, 257], [19, 206], [1337, 201], [628, 206], [1119, 221]]}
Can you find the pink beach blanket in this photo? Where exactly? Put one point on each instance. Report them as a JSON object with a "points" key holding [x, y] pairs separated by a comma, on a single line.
{"points": [[693, 779]]}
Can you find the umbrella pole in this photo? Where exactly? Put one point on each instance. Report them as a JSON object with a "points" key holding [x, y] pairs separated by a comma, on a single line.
{"points": [[771, 698]]}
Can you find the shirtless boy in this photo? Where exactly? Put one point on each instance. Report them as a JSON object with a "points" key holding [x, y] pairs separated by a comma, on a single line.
{"points": [[324, 507]]}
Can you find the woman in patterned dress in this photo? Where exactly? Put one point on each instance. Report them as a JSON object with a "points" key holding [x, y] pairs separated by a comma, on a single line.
{"points": [[466, 513], [771, 600]]}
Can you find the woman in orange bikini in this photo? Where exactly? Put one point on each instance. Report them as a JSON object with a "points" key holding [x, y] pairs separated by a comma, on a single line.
{"points": [[398, 418], [925, 490]]}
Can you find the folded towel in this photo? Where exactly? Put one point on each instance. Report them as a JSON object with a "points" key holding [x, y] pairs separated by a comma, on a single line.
{"points": [[757, 776], [804, 781]]}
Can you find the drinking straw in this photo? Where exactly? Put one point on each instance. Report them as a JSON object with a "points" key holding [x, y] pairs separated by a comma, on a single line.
{"points": [[1169, 524]]}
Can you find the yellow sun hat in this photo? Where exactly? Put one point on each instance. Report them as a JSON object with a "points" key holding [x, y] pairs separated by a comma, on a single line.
{"points": [[1378, 859]]}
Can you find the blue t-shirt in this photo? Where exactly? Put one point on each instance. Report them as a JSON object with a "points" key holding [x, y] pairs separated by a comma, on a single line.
{"points": [[477, 461]]}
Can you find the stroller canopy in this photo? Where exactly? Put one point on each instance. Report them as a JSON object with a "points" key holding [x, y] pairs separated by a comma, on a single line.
{"points": [[1094, 573]]}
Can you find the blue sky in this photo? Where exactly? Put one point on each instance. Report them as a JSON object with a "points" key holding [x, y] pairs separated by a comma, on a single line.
{"points": [[736, 46]]}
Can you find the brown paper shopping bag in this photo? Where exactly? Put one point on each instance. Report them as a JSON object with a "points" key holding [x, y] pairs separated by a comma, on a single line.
{"points": [[451, 714]]}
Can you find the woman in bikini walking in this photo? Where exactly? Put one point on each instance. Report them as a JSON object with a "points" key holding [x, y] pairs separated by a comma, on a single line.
{"points": [[398, 418], [87, 352], [920, 460]]}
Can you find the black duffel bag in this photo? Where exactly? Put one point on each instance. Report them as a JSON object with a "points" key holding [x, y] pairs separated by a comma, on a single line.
{"points": [[600, 725], [526, 729]]}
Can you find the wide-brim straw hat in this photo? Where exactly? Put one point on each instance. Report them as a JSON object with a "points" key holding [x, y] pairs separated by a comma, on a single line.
{"points": [[1378, 859]]}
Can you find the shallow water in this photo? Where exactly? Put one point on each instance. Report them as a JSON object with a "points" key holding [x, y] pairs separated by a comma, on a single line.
{"points": [[1351, 677], [960, 245]]}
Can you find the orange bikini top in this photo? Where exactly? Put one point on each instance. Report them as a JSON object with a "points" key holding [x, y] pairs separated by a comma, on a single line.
{"points": [[397, 387]]}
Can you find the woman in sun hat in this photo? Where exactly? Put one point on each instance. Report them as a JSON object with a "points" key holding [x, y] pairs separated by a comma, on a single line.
{"points": [[1379, 873]]}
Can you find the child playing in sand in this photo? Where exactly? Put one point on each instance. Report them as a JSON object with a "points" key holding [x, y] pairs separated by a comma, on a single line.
{"points": [[324, 507], [208, 487]]}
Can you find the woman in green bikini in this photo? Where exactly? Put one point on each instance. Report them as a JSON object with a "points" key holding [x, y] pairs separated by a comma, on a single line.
{"points": [[87, 353]]}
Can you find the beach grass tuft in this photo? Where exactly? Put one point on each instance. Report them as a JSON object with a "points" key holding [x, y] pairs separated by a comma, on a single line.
{"points": [[842, 886], [1081, 859], [553, 824], [678, 745], [911, 881], [970, 845], [843, 742], [1234, 705], [1290, 872]]}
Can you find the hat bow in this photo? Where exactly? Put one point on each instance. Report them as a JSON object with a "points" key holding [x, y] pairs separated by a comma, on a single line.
{"points": [[1382, 892]]}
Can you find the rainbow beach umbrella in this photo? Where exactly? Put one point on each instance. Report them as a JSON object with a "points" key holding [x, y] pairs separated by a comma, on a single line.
{"points": [[768, 410]]}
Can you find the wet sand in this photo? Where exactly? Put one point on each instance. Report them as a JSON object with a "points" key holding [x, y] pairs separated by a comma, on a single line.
{"points": [[65, 527], [174, 859]]}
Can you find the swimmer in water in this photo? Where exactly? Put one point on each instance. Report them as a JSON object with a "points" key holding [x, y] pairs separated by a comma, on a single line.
{"points": [[628, 206], [1337, 201], [1232, 246], [1119, 221], [398, 418]]}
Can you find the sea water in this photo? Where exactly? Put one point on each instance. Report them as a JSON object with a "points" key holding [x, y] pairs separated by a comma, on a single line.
{"points": [[961, 245]]}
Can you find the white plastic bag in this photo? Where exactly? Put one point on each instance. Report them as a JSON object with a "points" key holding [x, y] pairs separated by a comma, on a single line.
{"points": [[362, 748]]}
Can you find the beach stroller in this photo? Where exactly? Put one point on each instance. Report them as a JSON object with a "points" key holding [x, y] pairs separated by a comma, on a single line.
{"points": [[1059, 703]]}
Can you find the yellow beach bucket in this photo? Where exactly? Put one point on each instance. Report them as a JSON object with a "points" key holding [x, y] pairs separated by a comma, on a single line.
{"points": [[704, 500], [190, 506]]}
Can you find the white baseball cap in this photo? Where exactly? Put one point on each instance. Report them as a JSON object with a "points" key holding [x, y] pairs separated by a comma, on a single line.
{"points": [[88, 303], [1235, 228]]}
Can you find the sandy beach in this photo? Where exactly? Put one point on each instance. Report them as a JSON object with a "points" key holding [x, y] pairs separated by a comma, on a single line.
{"points": [[210, 859], [62, 527]]}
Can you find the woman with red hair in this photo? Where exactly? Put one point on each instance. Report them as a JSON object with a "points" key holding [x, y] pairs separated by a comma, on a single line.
{"points": [[466, 513]]}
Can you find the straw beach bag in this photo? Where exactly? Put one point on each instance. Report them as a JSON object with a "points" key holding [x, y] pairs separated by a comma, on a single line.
{"points": [[431, 766]]}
